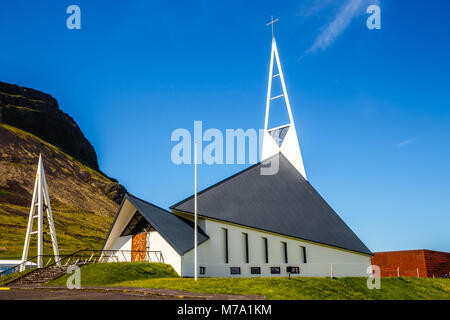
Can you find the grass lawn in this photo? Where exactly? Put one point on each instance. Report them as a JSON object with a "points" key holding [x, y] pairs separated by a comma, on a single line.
{"points": [[103, 274], [307, 288], [157, 275]]}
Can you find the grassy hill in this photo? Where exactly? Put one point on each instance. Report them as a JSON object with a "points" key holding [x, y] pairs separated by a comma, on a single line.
{"points": [[158, 275], [81, 197]]}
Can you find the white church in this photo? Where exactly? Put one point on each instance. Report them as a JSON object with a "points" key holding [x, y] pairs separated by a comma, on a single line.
{"points": [[266, 220]]}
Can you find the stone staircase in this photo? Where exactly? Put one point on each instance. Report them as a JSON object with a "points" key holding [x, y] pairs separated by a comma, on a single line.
{"points": [[40, 276]]}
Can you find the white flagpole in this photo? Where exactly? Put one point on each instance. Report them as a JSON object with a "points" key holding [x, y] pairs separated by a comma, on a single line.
{"points": [[40, 244], [195, 210]]}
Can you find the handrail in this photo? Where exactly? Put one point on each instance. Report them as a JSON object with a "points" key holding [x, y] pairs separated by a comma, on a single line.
{"points": [[88, 258], [24, 263], [5, 272]]}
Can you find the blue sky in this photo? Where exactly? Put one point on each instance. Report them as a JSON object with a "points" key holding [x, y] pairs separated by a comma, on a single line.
{"points": [[372, 107]]}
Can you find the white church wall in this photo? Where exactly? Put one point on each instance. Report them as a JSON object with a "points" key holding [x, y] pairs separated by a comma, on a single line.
{"points": [[290, 148], [122, 250], [122, 246], [126, 213], [322, 261], [158, 243]]}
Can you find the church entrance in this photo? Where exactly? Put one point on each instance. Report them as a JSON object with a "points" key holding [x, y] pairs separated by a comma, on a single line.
{"points": [[139, 247], [138, 228]]}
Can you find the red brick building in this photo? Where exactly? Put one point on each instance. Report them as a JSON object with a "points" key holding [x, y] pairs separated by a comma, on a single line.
{"points": [[413, 263]]}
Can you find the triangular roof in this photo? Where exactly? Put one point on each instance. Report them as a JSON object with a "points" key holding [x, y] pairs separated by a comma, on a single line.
{"points": [[177, 231], [283, 203]]}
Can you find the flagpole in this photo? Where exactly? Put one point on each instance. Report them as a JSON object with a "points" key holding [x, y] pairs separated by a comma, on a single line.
{"points": [[195, 210]]}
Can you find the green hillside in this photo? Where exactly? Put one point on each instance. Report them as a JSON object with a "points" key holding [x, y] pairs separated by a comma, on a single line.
{"points": [[80, 196], [75, 230]]}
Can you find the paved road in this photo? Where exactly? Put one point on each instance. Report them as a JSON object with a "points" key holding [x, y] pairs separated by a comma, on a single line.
{"points": [[52, 294], [39, 292]]}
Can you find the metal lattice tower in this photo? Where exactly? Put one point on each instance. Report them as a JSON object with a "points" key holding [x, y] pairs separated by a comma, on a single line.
{"points": [[39, 203]]}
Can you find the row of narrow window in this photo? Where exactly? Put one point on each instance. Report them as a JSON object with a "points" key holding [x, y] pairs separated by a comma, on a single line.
{"points": [[257, 270], [266, 249]]}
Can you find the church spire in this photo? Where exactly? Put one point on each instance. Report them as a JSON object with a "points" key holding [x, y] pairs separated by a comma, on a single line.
{"points": [[281, 139]]}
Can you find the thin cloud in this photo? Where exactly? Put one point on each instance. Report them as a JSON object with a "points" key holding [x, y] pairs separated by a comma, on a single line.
{"points": [[313, 7], [341, 21], [405, 143]]}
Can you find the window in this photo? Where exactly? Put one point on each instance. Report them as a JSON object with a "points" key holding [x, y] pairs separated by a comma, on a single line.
{"points": [[293, 270], [275, 270], [255, 270], [202, 270], [137, 224], [225, 232], [266, 250], [284, 244], [235, 270], [302, 254], [246, 246]]}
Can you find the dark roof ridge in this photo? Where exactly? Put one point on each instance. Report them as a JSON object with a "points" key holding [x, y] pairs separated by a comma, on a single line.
{"points": [[135, 202], [154, 205], [284, 203], [170, 213], [223, 181]]}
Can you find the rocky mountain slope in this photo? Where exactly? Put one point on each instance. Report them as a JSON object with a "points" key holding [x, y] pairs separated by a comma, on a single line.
{"points": [[38, 113], [83, 199]]}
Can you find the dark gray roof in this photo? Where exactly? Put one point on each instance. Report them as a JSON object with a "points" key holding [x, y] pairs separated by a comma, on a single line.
{"points": [[177, 231], [283, 203]]}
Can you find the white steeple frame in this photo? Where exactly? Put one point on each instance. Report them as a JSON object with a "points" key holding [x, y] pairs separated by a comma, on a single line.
{"points": [[289, 147], [40, 200]]}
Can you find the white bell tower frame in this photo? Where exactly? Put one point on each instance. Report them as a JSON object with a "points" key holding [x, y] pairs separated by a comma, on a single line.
{"points": [[282, 139], [39, 203]]}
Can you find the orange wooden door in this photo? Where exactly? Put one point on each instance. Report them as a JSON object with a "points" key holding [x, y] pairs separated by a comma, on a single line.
{"points": [[138, 247]]}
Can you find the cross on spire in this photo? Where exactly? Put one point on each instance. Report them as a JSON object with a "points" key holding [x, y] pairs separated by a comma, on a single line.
{"points": [[271, 24]]}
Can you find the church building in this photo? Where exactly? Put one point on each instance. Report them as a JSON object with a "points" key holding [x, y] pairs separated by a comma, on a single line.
{"points": [[266, 220]]}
